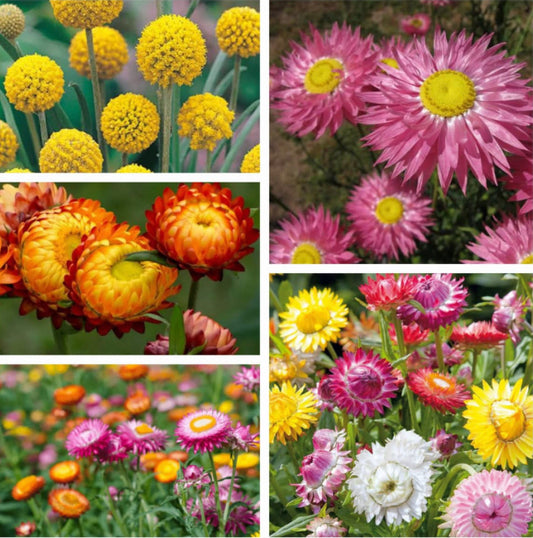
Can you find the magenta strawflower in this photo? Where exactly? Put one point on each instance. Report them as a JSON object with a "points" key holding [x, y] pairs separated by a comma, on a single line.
{"points": [[362, 383], [443, 299], [311, 236], [193, 477], [489, 503], [139, 437], [388, 218], [510, 241], [458, 109], [509, 314], [326, 527], [417, 24], [387, 292], [203, 430], [446, 444], [321, 81], [325, 439], [89, 438], [248, 377], [477, 335], [114, 451], [242, 439]]}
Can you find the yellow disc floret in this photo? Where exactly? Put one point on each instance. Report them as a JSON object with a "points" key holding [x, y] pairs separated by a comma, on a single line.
{"points": [[133, 169], [171, 50], [250, 163], [130, 123], [70, 150], [238, 32], [306, 253], [18, 171], [86, 13], [8, 144], [11, 21], [323, 76], [389, 210], [205, 119], [34, 83], [110, 50]]}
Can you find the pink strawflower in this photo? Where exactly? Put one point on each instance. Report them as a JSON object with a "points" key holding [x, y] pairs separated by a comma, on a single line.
{"points": [[521, 180], [413, 335], [451, 355], [510, 241], [489, 503], [114, 451], [387, 219], [458, 110], [311, 236], [477, 335], [362, 383], [391, 47], [193, 477], [325, 439], [443, 299], [248, 377], [324, 527], [509, 314], [446, 444], [323, 394], [417, 24], [240, 438], [321, 81], [203, 430], [387, 292], [89, 438], [139, 437]]}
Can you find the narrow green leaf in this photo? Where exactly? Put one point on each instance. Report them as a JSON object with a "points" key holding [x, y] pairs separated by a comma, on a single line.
{"points": [[214, 72], [60, 116], [198, 349], [86, 120], [150, 256], [243, 135], [192, 6], [296, 525], [10, 120], [176, 343], [158, 318], [284, 292], [226, 80], [417, 305], [9, 48]]}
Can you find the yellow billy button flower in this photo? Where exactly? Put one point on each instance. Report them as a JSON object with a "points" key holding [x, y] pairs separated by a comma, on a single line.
{"points": [[500, 422], [8, 144], [34, 83], [18, 171], [238, 33], [11, 21], [250, 162], [111, 292], [86, 13], [133, 169]]}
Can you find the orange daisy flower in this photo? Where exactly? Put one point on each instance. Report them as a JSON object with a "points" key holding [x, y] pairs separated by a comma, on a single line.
{"points": [[69, 395], [202, 228], [132, 372], [27, 487], [137, 403], [65, 472], [166, 470], [68, 502]]}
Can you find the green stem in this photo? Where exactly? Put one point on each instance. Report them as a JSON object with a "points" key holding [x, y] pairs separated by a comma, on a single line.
{"points": [[209, 161], [502, 362], [398, 329], [80, 526], [475, 353], [438, 348], [332, 352], [235, 84], [217, 491], [230, 492], [115, 512], [202, 514], [292, 454], [37, 514], [60, 340], [281, 496], [124, 159], [159, 4], [412, 409], [42, 126], [34, 135], [166, 101], [193, 294], [66, 530], [176, 146]]}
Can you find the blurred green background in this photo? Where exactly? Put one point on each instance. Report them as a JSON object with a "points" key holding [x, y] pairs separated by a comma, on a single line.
{"points": [[233, 302]]}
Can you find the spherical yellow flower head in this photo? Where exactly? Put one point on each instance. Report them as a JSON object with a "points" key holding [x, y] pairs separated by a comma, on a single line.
{"points": [[18, 171], [110, 51], [8, 144], [133, 169], [130, 123], [313, 319], [11, 21], [500, 422], [238, 32], [34, 83], [291, 412], [111, 291], [86, 13], [171, 50], [70, 150], [250, 163], [205, 119]]}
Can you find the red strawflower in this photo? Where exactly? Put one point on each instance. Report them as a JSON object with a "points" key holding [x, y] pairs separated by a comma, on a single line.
{"points": [[387, 293], [478, 335], [412, 334]]}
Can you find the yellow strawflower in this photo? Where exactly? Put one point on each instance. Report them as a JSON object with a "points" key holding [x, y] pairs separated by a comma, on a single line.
{"points": [[18, 171], [11, 21], [250, 162], [8, 144], [110, 51], [205, 119], [238, 32], [171, 50], [133, 169], [34, 83], [86, 13]]}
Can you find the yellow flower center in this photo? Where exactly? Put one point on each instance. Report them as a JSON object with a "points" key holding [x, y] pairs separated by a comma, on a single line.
{"points": [[70, 498], [448, 93], [203, 423], [313, 319], [126, 270], [528, 259], [70, 242], [508, 420], [389, 210], [323, 76], [390, 61], [417, 23], [282, 407], [143, 429], [306, 253]]}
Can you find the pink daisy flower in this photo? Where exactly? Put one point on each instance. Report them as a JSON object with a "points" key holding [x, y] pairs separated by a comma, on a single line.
{"points": [[242, 439], [477, 335], [325, 439], [510, 241], [139, 437], [509, 314], [456, 110], [248, 377], [193, 477], [362, 383], [443, 299], [417, 24], [312, 236], [387, 218], [446, 444], [387, 292], [321, 81], [521, 180], [326, 526], [203, 430], [490, 503], [89, 438]]}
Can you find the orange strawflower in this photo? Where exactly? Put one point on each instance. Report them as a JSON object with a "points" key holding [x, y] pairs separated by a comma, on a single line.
{"points": [[137, 403], [202, 229], [27, 487], [132, 372], [114, 417], [68, 502], [65, 472], [179, 455], [9, 274], [176, 414], [151, 459], [166, 470], [69, 395]]}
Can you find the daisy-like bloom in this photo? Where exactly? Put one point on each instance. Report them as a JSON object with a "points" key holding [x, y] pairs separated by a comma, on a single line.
{"points": [[509, 314], [12, 22], [388, 218], [137, 403], [27, 487], [83, 14], [112, 292], [89, 438], [321, 82], [292, 366], [241, 438], [26, 528], [325, 439], [449, 97], [68, 502], [312, 319], [443, 299], [133, 169], [133, 372], [388, 292], [202, 228], [65, 472], [437, 390], [291, 412], [521, 179], [362, 383], [413, 335], [203, 430], [393, 481], [500, 422], [446, 444], [326, 527], [8, 144], [248, 377], [69, 395], [509, 241], [489, 503], [238, 32], [417, 24], [477, 335], [139, 437], [166, 471], [311, 236], [251, 161]]}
